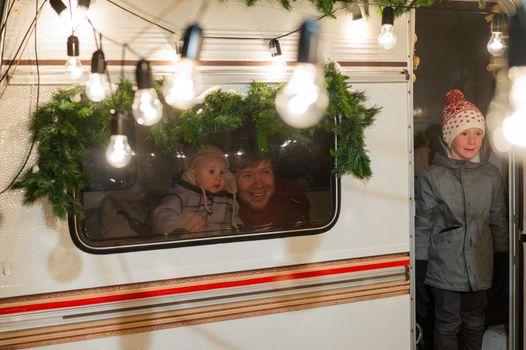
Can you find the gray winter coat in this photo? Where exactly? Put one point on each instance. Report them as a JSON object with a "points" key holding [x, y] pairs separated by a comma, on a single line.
{"points": [[222, 215], [461, 221]]}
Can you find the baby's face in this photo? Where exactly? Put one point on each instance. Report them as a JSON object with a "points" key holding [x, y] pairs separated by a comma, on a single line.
{"points": [[210, 174]]}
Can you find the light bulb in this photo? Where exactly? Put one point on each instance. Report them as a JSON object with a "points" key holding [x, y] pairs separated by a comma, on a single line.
{"points": [[303, 101], [387, 37], [74, 68], [181, 89], [97, 87], [514, 128], [496, 44], [147, 109], [118, 153]]}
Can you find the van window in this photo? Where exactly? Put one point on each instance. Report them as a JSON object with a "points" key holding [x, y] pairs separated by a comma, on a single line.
{"points": [[159, 200]]}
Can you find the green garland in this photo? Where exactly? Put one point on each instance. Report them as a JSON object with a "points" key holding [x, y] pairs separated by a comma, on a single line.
{"points": [[327, 6], [69, 124]]}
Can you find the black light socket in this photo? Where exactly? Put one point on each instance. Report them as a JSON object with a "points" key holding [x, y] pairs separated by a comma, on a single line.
{"points": [[58, 6], [84, 4], [193, 39], [356, 12], [143, 75], [73, 46], [388, 15], [308, 44], [98, 63], [275, 47], [117, 125]]}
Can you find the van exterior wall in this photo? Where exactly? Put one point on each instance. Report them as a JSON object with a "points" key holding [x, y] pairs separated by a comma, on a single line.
{"points": [[38, 256], [361, 325]]}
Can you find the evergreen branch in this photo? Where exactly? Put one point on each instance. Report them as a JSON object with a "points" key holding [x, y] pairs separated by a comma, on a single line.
{"points": [[69, 124]]}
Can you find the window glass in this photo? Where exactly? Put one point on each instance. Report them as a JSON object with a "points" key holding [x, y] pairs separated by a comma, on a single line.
{"points": [[224, 191]]}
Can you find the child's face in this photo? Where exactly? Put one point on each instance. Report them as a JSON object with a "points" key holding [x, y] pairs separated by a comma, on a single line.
{"points": [[210, 174], [467, 144]]}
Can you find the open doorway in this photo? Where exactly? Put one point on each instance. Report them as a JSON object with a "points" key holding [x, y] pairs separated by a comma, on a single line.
{"points": [[451, 54]]}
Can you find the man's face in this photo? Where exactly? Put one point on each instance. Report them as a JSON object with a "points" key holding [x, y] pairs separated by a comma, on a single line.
{"points": [[256, 185]]}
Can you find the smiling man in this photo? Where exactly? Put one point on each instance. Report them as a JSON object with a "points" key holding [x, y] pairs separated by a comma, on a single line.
{"points": [[266, 200]]}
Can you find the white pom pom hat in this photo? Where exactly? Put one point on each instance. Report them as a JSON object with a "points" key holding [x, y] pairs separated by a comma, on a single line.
{"points": [[459, 115]]}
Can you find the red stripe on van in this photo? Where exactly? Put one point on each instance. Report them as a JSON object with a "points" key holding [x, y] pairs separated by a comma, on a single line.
{"points": [[197, 288]]}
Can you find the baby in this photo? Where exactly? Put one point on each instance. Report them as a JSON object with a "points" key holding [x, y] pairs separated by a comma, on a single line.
{"points": [[204, 200]]}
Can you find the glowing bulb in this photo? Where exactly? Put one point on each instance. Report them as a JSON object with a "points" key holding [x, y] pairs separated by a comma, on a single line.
{"points": [[496, 44], [97, 87], [74, 68], [181, 89], [387, 37], [118, 153], [303, 101], [147, 109]]}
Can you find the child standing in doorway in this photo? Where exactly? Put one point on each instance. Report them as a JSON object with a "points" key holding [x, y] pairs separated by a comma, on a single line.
{"points": [[203, 202], [461, 228]]}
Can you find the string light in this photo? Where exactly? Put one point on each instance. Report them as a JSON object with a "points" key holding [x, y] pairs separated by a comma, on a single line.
{"points": [[73, 67], [303, 101], [387, 37], [97, 87], [496, 44], [118, 152], [147, 109], [184, 85], [278, 62]]}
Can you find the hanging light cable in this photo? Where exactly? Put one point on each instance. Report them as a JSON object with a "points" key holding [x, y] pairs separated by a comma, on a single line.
{"points": [[181, 89], [73, 66], [387, 37], [496, 44], [147, 109], [97, 87], [118, 152], [303, 101]]}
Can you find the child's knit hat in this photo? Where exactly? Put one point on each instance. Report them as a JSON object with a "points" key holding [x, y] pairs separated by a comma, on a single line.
{"points": [[459, 115]]}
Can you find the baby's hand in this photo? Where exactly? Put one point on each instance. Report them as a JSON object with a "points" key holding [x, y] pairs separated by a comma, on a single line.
{"points": [[193, 222]]}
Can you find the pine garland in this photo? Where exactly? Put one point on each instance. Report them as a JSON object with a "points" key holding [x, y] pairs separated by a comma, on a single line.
{"points": [[327, 6], [69, 124]]}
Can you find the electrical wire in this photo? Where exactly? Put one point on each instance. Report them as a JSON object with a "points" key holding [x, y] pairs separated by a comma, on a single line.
{"points": [[7, 17], [141, 17], [29, 30], [37, 11]]}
